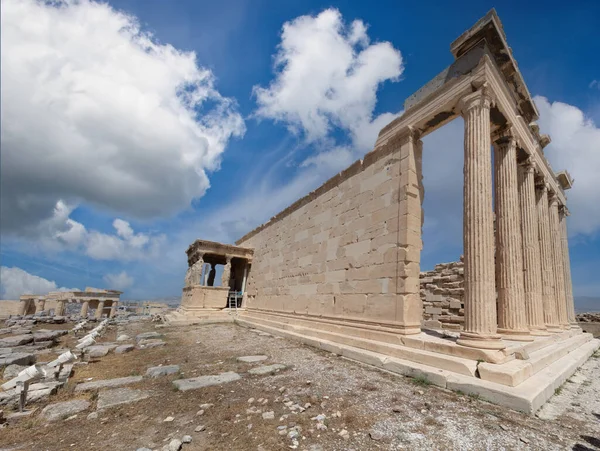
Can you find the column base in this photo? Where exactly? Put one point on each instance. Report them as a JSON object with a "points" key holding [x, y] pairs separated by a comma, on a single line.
{"points": [[475, 340], [515, 335], [554, 328], [575, 326], [539, 332]]}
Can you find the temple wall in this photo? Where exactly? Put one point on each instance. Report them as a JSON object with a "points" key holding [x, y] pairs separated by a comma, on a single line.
{"points": [[203, 297], [442, 292], [348, 250]]}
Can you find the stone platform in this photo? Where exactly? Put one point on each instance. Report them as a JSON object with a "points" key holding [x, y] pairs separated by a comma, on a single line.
{"points": [[200, 316], [522, 377]]}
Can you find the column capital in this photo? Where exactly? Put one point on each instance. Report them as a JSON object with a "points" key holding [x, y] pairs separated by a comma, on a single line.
{"points": [[481, 98], [505, 136], [529, 165], [552, 197], [563, 210]]}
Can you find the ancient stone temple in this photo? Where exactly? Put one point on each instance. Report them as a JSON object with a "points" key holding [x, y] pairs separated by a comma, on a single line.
{"points": [[340, 268], [101, 302]]}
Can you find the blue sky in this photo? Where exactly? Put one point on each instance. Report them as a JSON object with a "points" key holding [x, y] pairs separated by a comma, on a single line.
{"points": [[96, 191]]}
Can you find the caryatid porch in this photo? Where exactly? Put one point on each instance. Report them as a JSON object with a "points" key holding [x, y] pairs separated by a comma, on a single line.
{"points": [[208, 289]]}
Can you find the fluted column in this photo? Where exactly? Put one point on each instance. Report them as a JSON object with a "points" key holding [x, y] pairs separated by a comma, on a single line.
{"points": [[532, 272], [564, 212], [548, 294], [100, 309], [512, 320], [84, 309], [478, 226], [558, 266]]}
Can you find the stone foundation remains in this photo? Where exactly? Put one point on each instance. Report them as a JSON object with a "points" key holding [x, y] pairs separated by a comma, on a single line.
{"points": [[442, 292]]}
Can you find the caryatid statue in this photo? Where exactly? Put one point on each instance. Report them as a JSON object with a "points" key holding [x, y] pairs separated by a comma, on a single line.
{"points": [[192, 276]]}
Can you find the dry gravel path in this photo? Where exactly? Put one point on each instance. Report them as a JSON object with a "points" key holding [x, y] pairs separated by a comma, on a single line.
{"points": [[363, 408]]}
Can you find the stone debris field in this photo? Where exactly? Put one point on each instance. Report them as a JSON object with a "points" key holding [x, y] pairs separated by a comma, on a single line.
{"points": [[226, 387]]}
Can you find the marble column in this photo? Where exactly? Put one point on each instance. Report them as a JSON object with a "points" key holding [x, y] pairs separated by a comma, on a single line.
{"points": [[84, 309], [512, 319], [113, 309], [564, 212], [548, 295], [60, 308], [41, 305], [22, 307], [532, 272], [558, 266], [478, 226], [100, 309]]}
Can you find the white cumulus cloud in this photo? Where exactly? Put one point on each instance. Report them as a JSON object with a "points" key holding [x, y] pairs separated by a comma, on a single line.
{"points": [[119, 281], [95, 110], [14, 282], [575, 147], [61, 233], [326, 77]]}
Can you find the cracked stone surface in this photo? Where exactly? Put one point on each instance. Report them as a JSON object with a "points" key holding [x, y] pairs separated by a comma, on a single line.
{"points": [[117, 396], [94, 385]]}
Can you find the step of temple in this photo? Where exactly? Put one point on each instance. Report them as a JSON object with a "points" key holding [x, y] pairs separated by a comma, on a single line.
{"points": [[516, 372], [528, 396], [446, 362], [428, 340]]}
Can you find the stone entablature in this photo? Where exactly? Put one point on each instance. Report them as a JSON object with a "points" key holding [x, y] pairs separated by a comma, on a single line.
{"points": [[201, 247]]}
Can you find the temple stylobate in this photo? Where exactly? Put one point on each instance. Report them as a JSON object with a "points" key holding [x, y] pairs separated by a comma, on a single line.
{"points": [[340, 269], [55, 302]]}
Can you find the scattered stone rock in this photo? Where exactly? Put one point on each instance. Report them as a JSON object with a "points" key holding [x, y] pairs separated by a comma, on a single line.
{"points": [[123, 337], [158, 371], [107, 383], [17, 358], [168, 419], [150, 343], [206, 406], [344, 434], [124, 348], [524, 440], [376, 435], [397, 409], [174, 445], [268, 415], [267, 369], [200, 428], [48, 335], [16, 340], [60, 410], [252, 358], [97, 351], [117, 396], [147, 335], [92, 416], [206, 381], [186, 439], [12, 371]]}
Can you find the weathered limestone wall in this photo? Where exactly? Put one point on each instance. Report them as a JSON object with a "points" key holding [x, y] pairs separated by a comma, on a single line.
{"points": [[442, 292], [203, 297], [349, 250], [8, 308]]}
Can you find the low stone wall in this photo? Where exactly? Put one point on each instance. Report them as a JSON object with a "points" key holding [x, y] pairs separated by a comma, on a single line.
{"points": [[8, 308], [442, 292], [201, 297]]}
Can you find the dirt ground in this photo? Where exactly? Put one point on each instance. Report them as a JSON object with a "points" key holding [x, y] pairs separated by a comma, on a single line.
{"points": [[378, 410]]}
